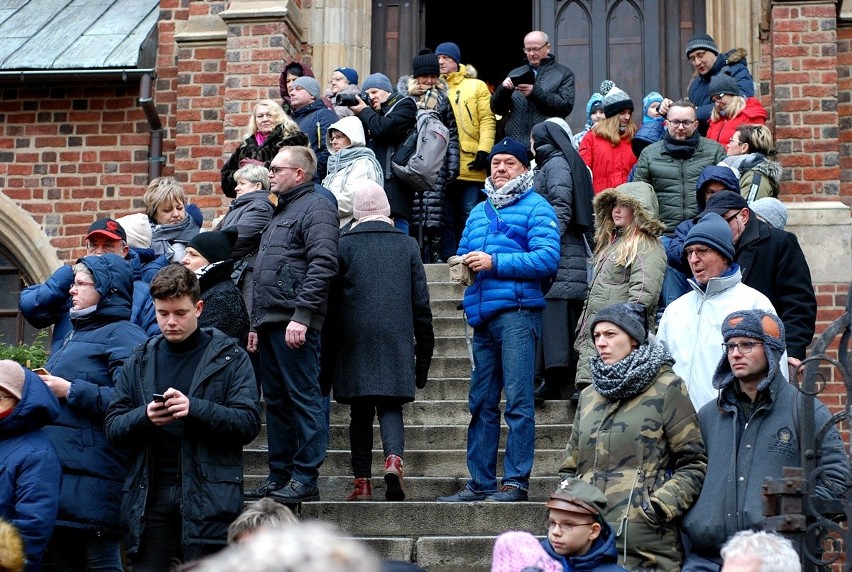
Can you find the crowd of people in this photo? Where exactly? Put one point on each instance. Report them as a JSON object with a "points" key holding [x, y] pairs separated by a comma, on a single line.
{"points": [[640, 270]]}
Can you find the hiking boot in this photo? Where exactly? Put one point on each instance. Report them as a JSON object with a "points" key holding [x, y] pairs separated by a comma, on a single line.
{"points": [[363, 491], [464, 495], [508, 493], [295, 492], [395, 490], [266, 488]]}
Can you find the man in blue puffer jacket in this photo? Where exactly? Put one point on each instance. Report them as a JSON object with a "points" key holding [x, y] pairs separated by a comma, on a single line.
{"points": [[511, 242]]}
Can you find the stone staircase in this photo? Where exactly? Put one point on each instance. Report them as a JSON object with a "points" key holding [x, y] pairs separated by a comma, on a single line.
{"points": [[437, 536]]}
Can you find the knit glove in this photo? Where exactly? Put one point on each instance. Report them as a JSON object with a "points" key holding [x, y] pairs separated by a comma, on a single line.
{"points": [[480, 162]]}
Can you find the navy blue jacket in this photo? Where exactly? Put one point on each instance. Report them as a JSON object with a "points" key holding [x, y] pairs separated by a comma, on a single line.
{"points": [[47, 304], [91, 358], [314, 120], [601, 557], [29, 468]]}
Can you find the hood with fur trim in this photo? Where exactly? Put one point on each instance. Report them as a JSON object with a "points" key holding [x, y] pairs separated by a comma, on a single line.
{"points": [[640, 197]]}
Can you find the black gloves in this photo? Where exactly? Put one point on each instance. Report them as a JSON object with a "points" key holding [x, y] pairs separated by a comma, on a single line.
{"points": [[421, 372], [480, 162]]}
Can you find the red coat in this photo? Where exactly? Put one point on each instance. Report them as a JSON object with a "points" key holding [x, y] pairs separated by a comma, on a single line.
{"points": [[610, 165], [722, 130]]}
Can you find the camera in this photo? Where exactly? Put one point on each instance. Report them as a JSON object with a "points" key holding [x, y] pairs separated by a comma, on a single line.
{"points": [[350, 99]]}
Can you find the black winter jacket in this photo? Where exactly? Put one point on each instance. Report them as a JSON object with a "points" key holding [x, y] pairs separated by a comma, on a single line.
{"points": [[224, 307], [251, 150], [223, 417], [297, 260]]}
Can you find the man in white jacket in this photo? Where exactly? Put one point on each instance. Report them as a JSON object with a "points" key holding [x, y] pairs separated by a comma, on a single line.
{"points": [[691, 325]]}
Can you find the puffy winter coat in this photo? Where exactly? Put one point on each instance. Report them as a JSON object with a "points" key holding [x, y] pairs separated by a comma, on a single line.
{"points": [[514, 282], [428, 206], [647, 456], [552, 96], [91, 358], [314, 120], [380, 320], [223, 417], [264, 152], [350, 167], [733, 63], [724, 128], [30, 473], [610, 164], [759, 175], [674, 179], [470, 99]]}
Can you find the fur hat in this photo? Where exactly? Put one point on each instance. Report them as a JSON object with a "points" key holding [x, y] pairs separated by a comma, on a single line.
{"points": [[350, 74], [377, 81], [106, 227], [138, 230], [519, 551], [713, 231], [723, 84], [450, 50], [771, 210], [616, 101], [309, 84], [370, 199], [511, 147], [12, 377], [574, 495], [629, 316], [701, 42], [757, 325], [215, 245], [425, 63]]}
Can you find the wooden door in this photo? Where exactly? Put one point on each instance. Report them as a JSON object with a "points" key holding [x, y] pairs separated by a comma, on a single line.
{"points": [[396, 37]]}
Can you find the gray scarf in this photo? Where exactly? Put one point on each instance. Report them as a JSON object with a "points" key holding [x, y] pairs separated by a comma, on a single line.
{"points": [[632, 375], [345, 157], [511, 191]]}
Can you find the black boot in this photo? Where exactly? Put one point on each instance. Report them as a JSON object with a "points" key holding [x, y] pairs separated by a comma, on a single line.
{"points": [[546, 391], [434, 246]]}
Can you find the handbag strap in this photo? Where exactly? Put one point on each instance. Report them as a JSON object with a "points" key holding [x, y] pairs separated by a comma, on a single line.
{"points": [[497, 223]]}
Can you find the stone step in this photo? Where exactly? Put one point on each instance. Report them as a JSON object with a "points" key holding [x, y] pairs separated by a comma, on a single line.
{"points": [[423, 489], [446, 290], [449, 366], [450, 346], [439, 273], [436, 437], [418, 462], [445, 307], [449, 326], [455, 412]]}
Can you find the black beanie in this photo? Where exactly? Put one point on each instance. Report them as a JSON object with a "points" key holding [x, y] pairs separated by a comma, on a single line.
{"points": [[426, 63], [215, 245]]}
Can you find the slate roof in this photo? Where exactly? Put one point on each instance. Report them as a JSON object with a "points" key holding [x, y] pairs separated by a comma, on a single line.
{"points": [[78, 34]]}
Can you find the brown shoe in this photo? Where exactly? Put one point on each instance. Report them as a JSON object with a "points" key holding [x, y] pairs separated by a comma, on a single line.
{"points": [[395, 490], [363, 490]]}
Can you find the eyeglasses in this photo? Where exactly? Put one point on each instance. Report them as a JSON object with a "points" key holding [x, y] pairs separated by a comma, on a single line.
{"points": [[533, 50], [333, 79], [700, 252], [566, 527], [681, 122], [732, 217], [744, 347], [275, 170], [79, 285], [697, 55]]}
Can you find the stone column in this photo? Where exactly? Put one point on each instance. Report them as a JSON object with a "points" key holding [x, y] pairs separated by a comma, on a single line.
{"points": [[339, 31], [734, 24]]}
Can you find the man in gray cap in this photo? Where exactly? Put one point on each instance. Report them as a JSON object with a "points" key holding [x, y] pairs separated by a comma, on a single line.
{"points": [[751, 433], [690, 324], [313, 117]]}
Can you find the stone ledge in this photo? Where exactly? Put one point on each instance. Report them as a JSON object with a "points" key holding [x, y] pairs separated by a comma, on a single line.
{"points": [[824, 230], [254, 10], [817, 213], [207, 29]]}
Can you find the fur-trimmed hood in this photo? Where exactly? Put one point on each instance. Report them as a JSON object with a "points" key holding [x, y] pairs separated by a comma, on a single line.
{"points": [[770, 169], [640, 197], [408, 85]]}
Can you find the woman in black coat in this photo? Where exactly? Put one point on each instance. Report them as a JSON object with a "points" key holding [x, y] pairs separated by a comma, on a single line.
{"points": [[379, 340]]}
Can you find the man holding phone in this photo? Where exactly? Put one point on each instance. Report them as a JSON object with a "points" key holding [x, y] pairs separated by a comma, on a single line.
{"points": [[185, 443]]}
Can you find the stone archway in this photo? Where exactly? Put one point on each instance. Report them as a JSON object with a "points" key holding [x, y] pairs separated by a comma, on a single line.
{"points": [[26, 240]]}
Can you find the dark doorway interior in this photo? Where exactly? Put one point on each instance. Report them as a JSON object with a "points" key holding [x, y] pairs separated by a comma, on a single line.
{"points": [[492, 49]]}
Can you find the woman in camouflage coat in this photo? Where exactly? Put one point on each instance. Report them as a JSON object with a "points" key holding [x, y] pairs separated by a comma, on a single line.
{"points": [[636, 437]]}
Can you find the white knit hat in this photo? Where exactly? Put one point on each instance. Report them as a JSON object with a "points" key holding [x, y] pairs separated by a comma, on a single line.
{"points": [[137, 228], [12, 377], [370, 199]]}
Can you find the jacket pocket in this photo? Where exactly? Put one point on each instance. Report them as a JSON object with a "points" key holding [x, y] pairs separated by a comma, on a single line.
{"points": [[288, 281]]}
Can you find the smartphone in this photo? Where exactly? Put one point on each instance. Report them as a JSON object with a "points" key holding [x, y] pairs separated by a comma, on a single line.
{"points": [[159, 398], [41, 371]]}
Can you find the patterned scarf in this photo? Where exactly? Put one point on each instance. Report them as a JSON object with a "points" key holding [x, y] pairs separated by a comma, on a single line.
{"points": [[630, 376], [511, 191]]}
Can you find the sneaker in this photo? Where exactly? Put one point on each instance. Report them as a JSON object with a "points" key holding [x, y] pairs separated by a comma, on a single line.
{"points": [[266, 487], [295, 492], [508, 493], [464, 495], [395, 490]]}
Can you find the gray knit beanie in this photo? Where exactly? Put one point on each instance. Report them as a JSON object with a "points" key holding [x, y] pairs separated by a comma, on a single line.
{"points": [[309, 84], [713, 231], [629, 316], [723, 84], [771, 210], [701, 42], [377, 81], [616, 101]]}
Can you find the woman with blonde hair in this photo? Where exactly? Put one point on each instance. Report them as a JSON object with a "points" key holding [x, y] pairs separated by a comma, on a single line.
{"points": [[269, 129], [751, 152], [731, 109], [607, 149], [171, 228], [629, 261]]}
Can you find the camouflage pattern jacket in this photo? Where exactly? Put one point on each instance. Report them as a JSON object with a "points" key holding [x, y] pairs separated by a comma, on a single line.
{"points": [[647, 456]]}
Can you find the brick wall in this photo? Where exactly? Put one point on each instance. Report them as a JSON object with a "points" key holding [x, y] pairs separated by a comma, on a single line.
{"points": [[844, 108]]}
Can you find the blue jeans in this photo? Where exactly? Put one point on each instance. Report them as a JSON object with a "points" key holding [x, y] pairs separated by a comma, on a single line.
{"points": [[295, 415], [504, 356], [79, 550], [460, 198], [674, 283]]}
